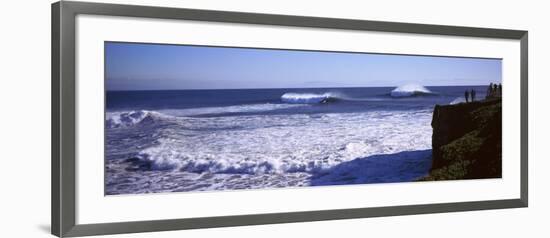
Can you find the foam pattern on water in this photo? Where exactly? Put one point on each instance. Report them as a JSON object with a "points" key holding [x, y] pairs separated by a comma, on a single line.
{"points": [[256, 151]]}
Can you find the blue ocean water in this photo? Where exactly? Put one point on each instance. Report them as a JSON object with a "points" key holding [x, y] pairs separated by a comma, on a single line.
{"points": [[346, 99], [194, 140]]}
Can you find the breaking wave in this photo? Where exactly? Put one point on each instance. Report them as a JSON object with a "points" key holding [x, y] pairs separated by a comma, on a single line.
{"points": [[130, 118], [126, 119], [310, 98], [410, 90]]}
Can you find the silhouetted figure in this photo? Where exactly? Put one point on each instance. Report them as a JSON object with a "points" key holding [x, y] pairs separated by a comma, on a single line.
{"points": [[489, 91], [500, 90], [466, 95], [494, 89], [473, 95]]}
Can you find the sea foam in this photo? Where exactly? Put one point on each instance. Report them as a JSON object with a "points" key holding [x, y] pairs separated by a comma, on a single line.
{"points": [[281, 144], [259, 151]]}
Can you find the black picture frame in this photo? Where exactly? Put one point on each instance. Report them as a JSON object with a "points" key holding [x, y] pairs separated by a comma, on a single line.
{"points": [[63, 132]]}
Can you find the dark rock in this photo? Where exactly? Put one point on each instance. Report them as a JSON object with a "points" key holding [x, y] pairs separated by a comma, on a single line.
{"points": [[467, 141]]}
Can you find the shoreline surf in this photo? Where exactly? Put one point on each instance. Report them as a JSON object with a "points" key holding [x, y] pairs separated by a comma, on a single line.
{"points": [[220, 140]]}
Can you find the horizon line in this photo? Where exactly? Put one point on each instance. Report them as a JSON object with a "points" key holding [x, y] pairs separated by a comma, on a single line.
{"points": [[204, 89]]}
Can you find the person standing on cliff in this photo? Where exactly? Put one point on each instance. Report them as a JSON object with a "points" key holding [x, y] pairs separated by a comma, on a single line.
{"points": [[466, 95], [473, 95], [500, 90], [489, 91]]}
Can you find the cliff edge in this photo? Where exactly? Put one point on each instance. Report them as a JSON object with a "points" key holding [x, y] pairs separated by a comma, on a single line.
{"points": [[467, 141]]}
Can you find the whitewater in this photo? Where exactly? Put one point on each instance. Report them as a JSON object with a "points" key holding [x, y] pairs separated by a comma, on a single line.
{"points": [[267, 139]]}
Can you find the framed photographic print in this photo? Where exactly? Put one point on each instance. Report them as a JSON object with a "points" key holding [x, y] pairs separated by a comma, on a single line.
{"points": [[166, 118]]}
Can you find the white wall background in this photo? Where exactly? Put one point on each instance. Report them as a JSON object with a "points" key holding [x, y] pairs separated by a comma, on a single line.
{"points": [[25, 118]]}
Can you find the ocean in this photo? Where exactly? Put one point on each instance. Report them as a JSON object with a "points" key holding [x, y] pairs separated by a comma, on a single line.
{"points": [[199, 140]]}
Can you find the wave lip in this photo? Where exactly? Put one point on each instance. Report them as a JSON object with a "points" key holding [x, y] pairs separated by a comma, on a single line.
{"points": [[309, 98], [410, 90]]}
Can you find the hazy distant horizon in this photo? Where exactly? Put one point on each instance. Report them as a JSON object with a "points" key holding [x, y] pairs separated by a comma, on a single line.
{"points": [[198, 89], [148, 67]]}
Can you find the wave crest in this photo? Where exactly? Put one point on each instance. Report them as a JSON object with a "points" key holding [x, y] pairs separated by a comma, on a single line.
{"points": [[410, 90], [309, 98]]}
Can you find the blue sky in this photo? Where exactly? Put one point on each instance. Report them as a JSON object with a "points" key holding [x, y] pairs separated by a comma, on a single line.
{"points": [[131, 66]]}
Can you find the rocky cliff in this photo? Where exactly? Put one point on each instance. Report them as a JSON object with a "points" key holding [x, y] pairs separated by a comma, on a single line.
{"points": [[467, 141]]}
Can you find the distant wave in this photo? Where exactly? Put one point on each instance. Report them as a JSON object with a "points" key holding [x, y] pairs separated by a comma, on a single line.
{"points": [[310, 98], [410, 90]]}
